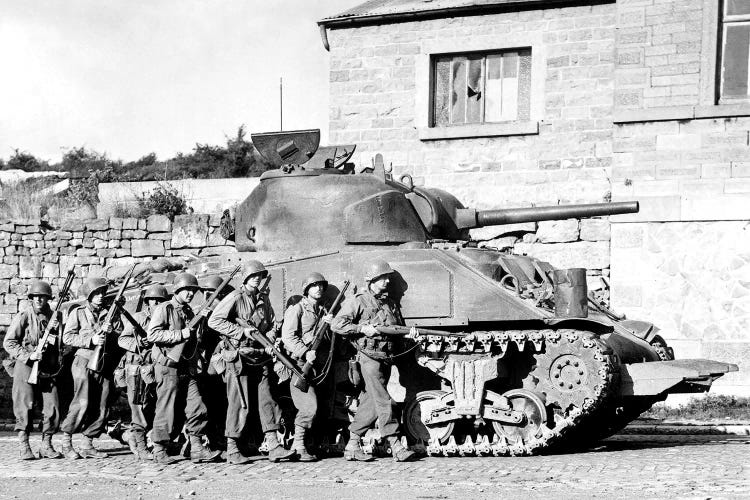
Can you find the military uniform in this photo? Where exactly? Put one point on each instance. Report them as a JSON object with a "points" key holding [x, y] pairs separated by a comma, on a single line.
{"points": [[21, 340], [139, 377], [176, 381], [376, 355], [246, 363], [92, 391]]}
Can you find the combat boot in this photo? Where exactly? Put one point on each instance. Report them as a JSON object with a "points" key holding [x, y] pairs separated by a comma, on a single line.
{"points": [[139, 440], [354, 451], [47, 451], [129, 437], [201, 453], [299, 445], [276, 452], [399, 452], [87, 450], [234, 455], [67, 447], [160, 455], [23, 446]]}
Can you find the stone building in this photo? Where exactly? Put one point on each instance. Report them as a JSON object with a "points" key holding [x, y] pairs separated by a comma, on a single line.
{"points": [[519, 102]]}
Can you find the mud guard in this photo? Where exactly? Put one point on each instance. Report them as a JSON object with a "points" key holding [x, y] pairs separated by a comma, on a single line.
{"points": [[675, 376]]}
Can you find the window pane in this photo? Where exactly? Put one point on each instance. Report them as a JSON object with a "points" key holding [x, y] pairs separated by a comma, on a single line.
{"points": [[737, 7], [736, 45], [524, 85], [474, 91], [458, 101], [442, 91], [510, 86], [493, 88]]}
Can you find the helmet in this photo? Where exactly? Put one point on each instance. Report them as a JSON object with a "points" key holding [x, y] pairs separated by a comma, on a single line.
{"points": [[376, 269], [40, 287], [156, 291], [311, 279], [185, 280], [254, 267], [213, 283], [92, 285]]}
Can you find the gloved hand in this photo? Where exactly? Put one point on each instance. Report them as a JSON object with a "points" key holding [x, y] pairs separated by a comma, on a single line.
{"points": [[328, 318], [249, 331], [310, 356], [34, 355], [413, 333], [186, 333], [53, 324], [98, 338]]}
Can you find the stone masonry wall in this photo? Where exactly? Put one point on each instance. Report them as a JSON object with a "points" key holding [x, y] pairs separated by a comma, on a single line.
{"points": [[373, 82], [31, 251]]}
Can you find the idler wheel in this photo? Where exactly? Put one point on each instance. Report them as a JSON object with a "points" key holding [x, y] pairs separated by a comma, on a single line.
{"points": [[416, 415], [535, 417]]}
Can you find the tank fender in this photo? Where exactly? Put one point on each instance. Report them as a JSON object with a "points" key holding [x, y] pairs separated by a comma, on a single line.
{"points": [[675, 376], [591, 323]]}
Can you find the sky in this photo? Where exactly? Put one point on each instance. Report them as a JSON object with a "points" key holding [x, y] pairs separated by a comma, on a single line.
{"points": [[130, 77]]}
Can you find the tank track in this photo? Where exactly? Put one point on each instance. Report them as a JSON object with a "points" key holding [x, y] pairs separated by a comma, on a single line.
{"points": [[571, 371]]}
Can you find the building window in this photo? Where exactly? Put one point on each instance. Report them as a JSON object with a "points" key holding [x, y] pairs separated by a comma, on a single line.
{"points": [[476, 88], [735, 76]]}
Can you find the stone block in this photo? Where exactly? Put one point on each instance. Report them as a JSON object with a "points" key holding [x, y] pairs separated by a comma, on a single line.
{"points": [[160, 236], [115, 223], [145, 248], [492, 232], [557, 231], [106, 252], [158, 224], [595, 230], [122, 252], [5, 319], [133, 234], [10, 259], [85, 252], [215, 238], [88, 243], [214, 220], [130, 223], [142, 224], [37, 251], [114, 234], [85, 261], [7, 226], [221, 250], [97, 225], [11, 298], [588, 254], [63, 235], [189, 231], [100, 244], [30, 267], [113, 244], [50, 270]]}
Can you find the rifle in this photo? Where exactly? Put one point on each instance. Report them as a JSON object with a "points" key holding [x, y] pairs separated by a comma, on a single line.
{"points": [[139, 331], [299, 380], [97, 357], [175, 353], [321, 330], [42, 345], [405, 330]]}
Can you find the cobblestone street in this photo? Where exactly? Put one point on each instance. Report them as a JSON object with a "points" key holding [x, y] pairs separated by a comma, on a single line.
{"points": [[621, 467]]}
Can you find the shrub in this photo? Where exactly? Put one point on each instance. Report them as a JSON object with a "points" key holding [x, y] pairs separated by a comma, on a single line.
{"points": [[25, 161], [165, 199]]}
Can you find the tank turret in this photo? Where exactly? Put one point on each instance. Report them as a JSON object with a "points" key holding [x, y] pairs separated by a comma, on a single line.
{"points": [[330, 206]]}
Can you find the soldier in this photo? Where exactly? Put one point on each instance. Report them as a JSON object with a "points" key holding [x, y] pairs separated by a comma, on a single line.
{"points": [[297, 334], [21, 341], [174, 353], [358, 318], [137, 360], [240, 313], [84, 329]]}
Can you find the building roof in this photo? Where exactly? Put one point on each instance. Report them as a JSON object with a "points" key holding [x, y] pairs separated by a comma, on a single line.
{"points": [[396, 10]]}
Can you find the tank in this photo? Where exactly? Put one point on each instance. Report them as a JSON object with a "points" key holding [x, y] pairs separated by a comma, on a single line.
{"points": [[519, 358]]}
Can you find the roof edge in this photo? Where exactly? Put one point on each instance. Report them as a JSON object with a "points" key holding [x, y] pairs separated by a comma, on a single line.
{"points": [[470, 10]]}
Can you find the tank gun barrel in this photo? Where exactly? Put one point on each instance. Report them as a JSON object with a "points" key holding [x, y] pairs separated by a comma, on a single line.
{"points": [[470, 218]]}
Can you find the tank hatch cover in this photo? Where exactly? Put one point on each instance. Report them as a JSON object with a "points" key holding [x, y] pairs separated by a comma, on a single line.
{"points": [[287, 148]]}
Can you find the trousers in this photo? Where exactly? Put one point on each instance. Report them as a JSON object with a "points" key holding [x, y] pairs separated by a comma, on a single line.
{"points": [[89, 409], [141, 414], [174, 391], [375, 403], [268, 409], [306, 404], [23, 400]]}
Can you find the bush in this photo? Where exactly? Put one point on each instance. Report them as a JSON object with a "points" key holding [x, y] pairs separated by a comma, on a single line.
{"points": [[27, 162], [165, 199], [710, 407]]}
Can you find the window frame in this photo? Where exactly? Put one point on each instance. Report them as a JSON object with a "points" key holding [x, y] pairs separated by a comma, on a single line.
{"points": [[522, 51], [724, 21]]}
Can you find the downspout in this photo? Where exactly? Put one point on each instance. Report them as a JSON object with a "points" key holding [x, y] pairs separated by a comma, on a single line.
{"points": [[324, 36]]}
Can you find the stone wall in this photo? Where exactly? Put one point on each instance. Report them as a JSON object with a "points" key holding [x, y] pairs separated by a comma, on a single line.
{"points": [[30, 250]]}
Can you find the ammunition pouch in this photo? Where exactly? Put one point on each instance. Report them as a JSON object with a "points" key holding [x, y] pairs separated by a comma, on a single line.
{"points": [[147, 373], [355, 373], [375, 347]]}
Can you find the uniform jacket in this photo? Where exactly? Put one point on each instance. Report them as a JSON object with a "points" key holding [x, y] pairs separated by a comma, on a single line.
{"points": [[253, 309], [365, 308], [80, 327], [298, 329], [129, 339], [24, 333], [165, 331]]}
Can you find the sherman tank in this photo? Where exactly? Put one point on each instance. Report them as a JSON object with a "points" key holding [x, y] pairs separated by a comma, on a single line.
{"points": [[517, 358]]}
